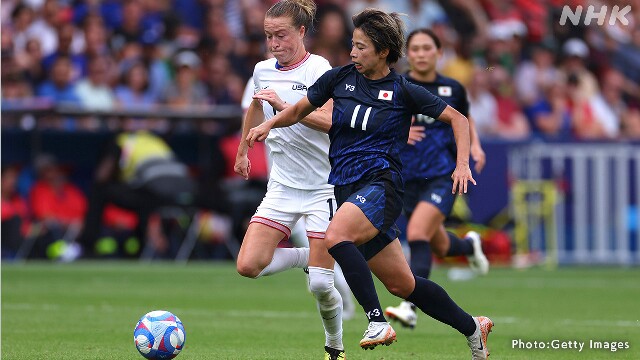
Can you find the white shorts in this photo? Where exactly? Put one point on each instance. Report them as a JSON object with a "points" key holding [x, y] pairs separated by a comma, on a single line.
{"points": [[283, 206]]}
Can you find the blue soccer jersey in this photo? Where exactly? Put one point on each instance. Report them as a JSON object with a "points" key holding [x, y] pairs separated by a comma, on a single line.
{"points": [[371, 119], [435, 155]]}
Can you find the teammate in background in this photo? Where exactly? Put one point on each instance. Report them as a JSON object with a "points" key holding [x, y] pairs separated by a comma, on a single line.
{"points": [[299, 236], [428, 160], [297, 185], [372, 112]]}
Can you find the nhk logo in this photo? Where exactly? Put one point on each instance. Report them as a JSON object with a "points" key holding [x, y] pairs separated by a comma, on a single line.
{"points": [[615, 15]]}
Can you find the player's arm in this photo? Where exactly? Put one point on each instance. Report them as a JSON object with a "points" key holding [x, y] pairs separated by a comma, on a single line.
{"points": [[287, 117], [320, 119], [477, 153], [460, 125], [252, 118]]}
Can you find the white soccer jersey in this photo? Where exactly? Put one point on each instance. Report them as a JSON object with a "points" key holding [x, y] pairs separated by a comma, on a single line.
{"points": [[300, 155]]}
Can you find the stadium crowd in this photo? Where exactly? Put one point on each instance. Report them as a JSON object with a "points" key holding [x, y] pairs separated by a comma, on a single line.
{"points": [[527, 76]]}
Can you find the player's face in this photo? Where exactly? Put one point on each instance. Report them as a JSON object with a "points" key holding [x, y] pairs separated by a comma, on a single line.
{"points": [[284, 41], [422, 53], [364, 55]]}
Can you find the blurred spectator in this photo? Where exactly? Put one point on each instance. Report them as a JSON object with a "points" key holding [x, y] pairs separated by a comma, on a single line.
{"points": [[22, 17], [15, 213], [54, 15], [95, 92], [60, 88], [79, 61], [483, 107], [219, 79], [30, 61], [510, 115], [57, 204], [95, 34], [333, 37], [550, 115], [609, 106], [575, 52], [421, 13], [133, 91], [534, 75], [187, 91]]}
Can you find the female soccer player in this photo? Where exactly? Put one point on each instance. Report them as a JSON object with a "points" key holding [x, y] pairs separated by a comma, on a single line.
{"points": [[372, 113], [300, 168], [428, 161]]}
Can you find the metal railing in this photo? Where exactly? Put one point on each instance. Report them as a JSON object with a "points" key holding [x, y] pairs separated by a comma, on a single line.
{"points": [[589, 214]]}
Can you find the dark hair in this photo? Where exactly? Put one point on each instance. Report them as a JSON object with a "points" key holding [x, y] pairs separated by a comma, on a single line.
{"points": [[302, 12], [386, 31], [429, 32]]}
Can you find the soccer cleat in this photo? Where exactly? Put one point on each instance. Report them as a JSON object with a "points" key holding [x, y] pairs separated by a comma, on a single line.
{"points": [[333, 354], [478, 341], [378, 333], [405, 313], [478, 261]]}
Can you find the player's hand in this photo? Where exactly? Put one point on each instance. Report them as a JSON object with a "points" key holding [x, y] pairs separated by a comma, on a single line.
{"points": [[416, 134], [271, 97], [461, 176], [478, 155], [242, 166], [258, 133]]}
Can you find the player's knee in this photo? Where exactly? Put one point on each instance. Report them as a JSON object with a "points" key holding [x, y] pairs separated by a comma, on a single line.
{"points": [[439, 250], [320, 285], [399, 289], [332, 237], [247, 269]]}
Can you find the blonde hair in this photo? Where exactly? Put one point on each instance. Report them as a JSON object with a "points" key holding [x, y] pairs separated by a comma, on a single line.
{"points": [[301, 12], [386, 31]]}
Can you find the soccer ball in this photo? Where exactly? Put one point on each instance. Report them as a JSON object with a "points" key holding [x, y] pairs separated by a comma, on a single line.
{"points": [[159, 335]]}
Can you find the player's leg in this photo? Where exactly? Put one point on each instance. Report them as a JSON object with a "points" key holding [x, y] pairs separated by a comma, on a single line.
{"points": [[321, 284], [259, 254], [390, 266], [446, 243], [350, 227], [423, 225], [421, 205]]}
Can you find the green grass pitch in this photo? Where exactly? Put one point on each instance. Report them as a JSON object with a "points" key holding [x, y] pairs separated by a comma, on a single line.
{"points": [[88, 311]]}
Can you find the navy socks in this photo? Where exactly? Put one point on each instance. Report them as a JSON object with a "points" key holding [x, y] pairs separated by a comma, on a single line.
{"points": [[356, 271], [420, 258], [459, 246], [434, 301]]}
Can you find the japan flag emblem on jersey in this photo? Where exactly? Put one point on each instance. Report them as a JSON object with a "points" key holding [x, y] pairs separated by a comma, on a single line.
{"points": [[444, 90], [385, 95]]}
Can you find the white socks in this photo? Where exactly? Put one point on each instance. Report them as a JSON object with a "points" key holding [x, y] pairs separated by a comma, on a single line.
{"points": [[348, 305], [286, 258], [329, 304]]}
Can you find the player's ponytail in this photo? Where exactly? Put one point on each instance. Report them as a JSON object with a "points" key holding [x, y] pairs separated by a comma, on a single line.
{"points": [[301, 12], [386, 31]]}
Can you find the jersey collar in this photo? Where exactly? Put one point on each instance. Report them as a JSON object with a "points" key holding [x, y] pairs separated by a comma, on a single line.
{"points": [[293, 66]]}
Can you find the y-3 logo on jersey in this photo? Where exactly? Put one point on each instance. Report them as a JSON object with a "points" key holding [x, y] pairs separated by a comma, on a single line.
{"points": [[421, 118], [349, 87], [298, 87], [361, 198]]}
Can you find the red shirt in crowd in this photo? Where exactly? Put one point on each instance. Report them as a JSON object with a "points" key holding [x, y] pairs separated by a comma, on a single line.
{"points": [[66, 205]]}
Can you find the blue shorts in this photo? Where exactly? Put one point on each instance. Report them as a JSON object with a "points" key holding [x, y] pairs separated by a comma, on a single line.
{"points": [[379, 196], [435, 191]]}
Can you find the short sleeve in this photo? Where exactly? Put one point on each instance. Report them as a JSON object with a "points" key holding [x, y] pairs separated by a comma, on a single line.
{"points": [[247, 97], [464, 101], [322, 90], [423, 101]]}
